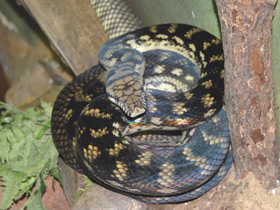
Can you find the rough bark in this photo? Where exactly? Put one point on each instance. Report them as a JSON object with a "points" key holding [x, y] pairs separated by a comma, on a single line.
{"points": [[246, 32], [73, 29]]}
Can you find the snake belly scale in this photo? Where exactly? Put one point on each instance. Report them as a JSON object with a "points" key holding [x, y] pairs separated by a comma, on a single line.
{"points": [[176, 146]]}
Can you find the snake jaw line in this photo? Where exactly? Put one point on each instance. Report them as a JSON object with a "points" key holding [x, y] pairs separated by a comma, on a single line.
{"points": [[137, 111], [133, 111]]}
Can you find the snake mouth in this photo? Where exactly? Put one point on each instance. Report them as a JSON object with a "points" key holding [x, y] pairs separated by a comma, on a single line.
{"points": [[158, 138], [132, 111], [135, 112]]}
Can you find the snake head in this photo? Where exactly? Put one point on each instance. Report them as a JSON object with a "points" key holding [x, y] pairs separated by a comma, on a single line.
{"points": [[127, 92]]}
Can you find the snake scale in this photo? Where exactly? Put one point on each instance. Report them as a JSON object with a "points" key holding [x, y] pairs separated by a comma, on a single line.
{"points": [[149, 121]]}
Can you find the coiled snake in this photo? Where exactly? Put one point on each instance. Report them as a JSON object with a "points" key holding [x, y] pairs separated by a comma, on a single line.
{"points": [[152, 126]]}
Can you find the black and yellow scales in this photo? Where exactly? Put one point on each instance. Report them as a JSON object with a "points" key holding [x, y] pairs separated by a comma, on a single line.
{"points": [[149, 122]]}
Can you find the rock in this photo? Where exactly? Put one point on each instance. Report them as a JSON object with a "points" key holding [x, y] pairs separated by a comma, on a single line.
{"points": [[32, 83], [4, 83], [98, 197], [69, 179]]}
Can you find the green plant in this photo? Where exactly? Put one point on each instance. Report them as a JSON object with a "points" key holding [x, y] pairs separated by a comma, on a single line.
{"points": [[87, 185], [27, 154]]}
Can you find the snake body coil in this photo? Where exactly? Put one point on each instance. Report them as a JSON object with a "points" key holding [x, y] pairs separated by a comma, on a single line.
{"points": [[175, 147]]}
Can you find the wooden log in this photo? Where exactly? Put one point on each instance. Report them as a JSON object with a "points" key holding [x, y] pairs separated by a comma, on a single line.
{"points": [[247, 41], [76, 35], [72, 28]]}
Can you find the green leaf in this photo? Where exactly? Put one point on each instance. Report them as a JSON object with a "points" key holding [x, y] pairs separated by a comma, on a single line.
{"points": [[88, 184], [42, 185], [11, 189], [29, 154], [41, 132], [34, 203], [56, 174]]}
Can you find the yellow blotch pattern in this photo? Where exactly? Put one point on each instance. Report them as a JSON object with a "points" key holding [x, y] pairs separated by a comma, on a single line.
{"points": [[99, 132], [207, 100], [153, 29], [207, 84], [69, 114], [121, 171], [188, 95], [79, 96], [96, 113], [216, 58], [222, 74], [191, 32], [116, 150], [172, 28], [178, 108], [144, 159], [166, 174], [206, 45], [91, 153]]}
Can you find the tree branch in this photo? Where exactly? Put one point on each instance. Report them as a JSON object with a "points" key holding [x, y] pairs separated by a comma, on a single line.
{"points": [[246, 31]]}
